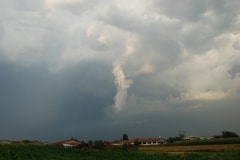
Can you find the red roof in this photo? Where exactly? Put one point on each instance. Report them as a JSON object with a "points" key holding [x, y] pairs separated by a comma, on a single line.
{"points": [[68, 142]]}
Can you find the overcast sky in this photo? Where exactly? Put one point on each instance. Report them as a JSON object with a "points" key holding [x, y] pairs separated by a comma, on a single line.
{"points": [[98, 69]]}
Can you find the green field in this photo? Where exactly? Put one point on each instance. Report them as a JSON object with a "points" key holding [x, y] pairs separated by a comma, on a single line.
{"points": [[46, 152]]}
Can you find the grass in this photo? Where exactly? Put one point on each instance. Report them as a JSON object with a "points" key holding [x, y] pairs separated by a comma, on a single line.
{"points": [[31, 152], [47, 152]]}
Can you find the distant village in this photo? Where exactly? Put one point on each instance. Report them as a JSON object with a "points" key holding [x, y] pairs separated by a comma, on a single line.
{"points": [[124, 141], [81, 143]]}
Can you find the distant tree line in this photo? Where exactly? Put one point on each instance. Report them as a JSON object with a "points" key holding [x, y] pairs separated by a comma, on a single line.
{"points": [[228, 134], [225, 134]]}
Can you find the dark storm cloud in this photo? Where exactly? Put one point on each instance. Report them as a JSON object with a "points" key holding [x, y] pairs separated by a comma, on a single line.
{"points": [[186, 10], [94, 90], [198, 120], [234, 70], [142, 87], [34, 99]]}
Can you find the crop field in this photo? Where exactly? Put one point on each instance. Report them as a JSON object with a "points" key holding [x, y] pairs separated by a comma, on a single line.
{"points": [[30, 152], [46, 152], [223, 146], [193, 148]]}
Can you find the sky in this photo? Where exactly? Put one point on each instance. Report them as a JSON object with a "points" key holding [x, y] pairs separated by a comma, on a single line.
{"points": [[98, 69]]}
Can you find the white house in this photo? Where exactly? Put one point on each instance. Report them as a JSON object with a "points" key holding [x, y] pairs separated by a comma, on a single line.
{"points": [[140, 141]]}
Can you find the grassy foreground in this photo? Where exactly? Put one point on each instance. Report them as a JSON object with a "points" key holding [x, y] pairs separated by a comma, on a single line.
{"points": [[34, 152]]}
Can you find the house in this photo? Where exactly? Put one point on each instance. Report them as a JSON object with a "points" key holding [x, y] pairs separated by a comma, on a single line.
{"points": [[5, 142], [190, 138], [37, 143], [203, 138], [139, 141], [150, 141], [118, 142], [68, 143]]}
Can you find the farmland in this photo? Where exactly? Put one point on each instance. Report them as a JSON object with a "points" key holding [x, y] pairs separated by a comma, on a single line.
{"points": [[193, 148], [47, 152]]}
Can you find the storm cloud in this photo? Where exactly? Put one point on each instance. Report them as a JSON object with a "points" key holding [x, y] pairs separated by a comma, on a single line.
{"points": [[75, 68]]}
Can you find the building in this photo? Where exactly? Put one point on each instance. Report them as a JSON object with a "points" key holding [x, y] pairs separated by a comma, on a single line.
{"points": [[5, 142], [118, 142], [68, 143], [139, 141], [190, 138], [150, 141]]}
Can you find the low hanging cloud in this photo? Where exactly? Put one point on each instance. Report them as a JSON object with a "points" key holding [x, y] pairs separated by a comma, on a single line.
{"points": [[122, 85], [121, 82]]}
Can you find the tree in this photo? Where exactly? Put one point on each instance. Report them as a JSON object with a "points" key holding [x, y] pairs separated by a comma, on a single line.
{"points": [[74, 139], [173, 139], [136, 142], [26, 141], [181, 134], [125, 137], [227, 134], [99, 144], [90, 143]]}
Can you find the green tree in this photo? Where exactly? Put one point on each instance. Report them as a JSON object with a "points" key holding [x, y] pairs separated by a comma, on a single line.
{"points": [[125, 137], [173, 139], [90, 143], [99, 144], [73, 139], [227, 134], [136, 142], [26, 141]]}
